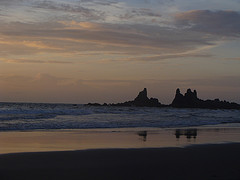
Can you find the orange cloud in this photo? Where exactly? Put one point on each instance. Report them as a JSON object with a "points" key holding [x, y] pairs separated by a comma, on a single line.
{"points": [[38, 45], [31, 61], [81, 25], [27, 43]]}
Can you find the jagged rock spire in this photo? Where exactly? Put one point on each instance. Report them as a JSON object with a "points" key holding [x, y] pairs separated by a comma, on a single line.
{"points": [[142, 96], [178, 91], [143, 100]]}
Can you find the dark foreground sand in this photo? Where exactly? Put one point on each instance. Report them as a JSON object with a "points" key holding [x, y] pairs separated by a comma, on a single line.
{"points": [[196, 162]]}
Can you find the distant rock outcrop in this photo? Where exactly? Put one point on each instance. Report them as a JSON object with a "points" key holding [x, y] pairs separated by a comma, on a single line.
{"points": [[142, 100], [190, 100]]}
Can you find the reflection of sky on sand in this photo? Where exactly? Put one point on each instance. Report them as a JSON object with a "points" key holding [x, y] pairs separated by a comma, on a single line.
{"points": [[67, 140]]}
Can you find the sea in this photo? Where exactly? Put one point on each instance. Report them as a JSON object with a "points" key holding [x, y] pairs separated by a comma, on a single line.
{"points": [[39, 116]]}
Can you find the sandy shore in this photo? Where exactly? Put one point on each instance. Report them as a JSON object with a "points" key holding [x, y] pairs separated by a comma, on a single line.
{"points": [[194, 162], [130, 138]]}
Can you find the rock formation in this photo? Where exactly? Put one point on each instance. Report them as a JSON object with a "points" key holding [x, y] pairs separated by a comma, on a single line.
{"points": [[142, 100], [190, 100]]}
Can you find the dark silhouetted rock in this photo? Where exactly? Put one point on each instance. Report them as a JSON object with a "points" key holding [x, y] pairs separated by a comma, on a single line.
{"points": [[190, 100], [93, 104], [142, 100], [142, 97]]}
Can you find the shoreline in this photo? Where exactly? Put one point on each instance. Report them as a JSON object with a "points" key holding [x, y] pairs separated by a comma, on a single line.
{"points": [[215, 161], [121, 138]]}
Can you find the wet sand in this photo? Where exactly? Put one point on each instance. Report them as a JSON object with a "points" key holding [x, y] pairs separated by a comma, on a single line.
{"points": [[130, 138], [193, 162]]}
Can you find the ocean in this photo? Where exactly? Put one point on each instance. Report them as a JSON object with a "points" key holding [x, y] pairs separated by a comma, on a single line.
{"points": [[33, 116]]}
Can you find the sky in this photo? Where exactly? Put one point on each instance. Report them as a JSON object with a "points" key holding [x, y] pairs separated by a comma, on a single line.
{"points": [[80, 51]]}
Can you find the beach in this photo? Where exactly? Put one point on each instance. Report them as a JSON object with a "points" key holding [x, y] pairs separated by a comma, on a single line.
{"points": [[207, 152], [194, 162]]}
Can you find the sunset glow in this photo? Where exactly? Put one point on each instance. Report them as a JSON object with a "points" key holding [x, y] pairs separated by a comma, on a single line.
{"points": [[78, 51]]}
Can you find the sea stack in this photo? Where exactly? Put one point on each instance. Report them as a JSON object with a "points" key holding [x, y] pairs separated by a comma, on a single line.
{"points": [[190, 100], [142, 100], [142, 97]]}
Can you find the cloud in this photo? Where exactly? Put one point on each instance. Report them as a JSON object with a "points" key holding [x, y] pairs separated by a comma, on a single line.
{"points": [[30, 61], [213, 22], [49, 10], [88, 14], [141, 12], [190, 34], [119, 35], [159, 1], [165, 57], [12, 45], [11, 2], [100, 2], [73, 40], [38, 45]]}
